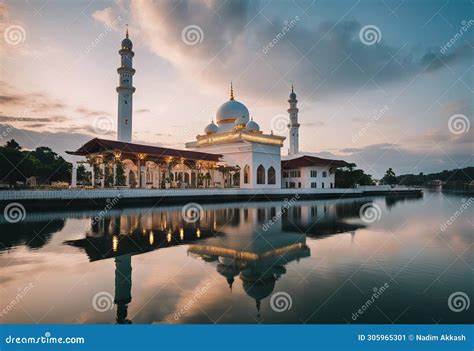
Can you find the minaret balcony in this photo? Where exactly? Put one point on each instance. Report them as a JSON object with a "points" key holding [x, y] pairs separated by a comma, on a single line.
{"points": [[125, 88], [125, 69]]}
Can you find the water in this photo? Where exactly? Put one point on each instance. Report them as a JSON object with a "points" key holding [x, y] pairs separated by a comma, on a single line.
{"points": [[318, 262]]}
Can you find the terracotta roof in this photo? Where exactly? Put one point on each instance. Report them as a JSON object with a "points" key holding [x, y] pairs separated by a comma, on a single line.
{"points": [[307, 161], [97, 145]]}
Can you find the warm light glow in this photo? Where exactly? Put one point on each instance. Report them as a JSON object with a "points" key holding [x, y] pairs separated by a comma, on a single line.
{"points": [[151, 238], [198, 232], [168, 237], [115, 241], [181, 233]]}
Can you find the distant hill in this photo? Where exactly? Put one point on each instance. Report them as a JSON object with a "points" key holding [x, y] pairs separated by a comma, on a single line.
{"points": [[456, 176]]}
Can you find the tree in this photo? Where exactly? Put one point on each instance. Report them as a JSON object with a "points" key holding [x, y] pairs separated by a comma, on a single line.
{"points": [[83, 176], [389, 177], [348, 177], [12, 144], [120, 174]]}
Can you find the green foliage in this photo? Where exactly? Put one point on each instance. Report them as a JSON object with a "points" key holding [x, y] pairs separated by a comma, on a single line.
{"points": [[348, 177], [120, 178], [389, 177], [17, 165], [83, 176], [463, 175]]}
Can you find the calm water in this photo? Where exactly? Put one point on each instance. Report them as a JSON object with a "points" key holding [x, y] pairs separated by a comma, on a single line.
{"points": [[148, 265]]}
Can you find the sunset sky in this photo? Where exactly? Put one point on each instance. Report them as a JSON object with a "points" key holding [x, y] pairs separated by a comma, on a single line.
{"points": [[380, 104]]}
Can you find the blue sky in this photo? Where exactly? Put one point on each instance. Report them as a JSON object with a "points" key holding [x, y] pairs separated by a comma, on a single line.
{"points": [[54, 85]]}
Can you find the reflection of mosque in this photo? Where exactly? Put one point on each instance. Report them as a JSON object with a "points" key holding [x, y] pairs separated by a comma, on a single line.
{"points": [[232, 238]]}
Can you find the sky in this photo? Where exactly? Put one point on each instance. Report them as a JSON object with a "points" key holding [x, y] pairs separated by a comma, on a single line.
{"points": [[379, 83]]}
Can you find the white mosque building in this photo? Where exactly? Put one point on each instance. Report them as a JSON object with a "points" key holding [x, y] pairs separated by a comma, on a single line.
{"points": [[232, 152]]}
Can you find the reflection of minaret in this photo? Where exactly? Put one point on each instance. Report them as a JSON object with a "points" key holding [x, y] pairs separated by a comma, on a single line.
{"points": [[123, 287]]}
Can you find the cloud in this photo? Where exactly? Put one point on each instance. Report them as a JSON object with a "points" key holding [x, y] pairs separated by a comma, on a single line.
{"points": [[434, 61], [108, 16], [328, 58]]}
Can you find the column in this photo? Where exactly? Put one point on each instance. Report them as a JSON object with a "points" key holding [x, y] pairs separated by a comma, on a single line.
{"points": [[93, 176], [114, 182], [102, 181], [74, 175], [139, 173]]}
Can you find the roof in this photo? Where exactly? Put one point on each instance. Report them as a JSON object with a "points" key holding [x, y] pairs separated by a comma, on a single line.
{"points": [[97, 145], [308, 161]]}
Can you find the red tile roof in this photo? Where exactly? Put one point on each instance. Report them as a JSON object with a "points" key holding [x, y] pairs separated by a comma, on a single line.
{"points": [[97, 145], [307, 161]]}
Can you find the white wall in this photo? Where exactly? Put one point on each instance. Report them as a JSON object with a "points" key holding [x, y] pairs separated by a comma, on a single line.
{"points": [[306, 178]]}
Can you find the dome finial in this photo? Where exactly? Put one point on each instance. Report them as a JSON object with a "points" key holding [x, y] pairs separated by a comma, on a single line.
{"points": [[292, 87], [126, 32], [231, 91]]}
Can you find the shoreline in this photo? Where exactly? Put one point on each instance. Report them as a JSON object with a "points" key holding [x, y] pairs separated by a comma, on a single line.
{"points": [[78, 198]]}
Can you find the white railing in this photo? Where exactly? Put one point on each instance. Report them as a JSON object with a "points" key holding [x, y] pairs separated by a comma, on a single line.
{"points": [[72, 194]]}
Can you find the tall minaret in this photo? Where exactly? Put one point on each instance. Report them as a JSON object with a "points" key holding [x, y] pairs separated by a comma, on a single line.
{"points": [[125, 91], [294, 125]]}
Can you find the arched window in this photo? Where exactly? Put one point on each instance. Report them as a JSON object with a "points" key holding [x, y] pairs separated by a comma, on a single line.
{"points": [[260, 175], [246, 174], [271, 175]]}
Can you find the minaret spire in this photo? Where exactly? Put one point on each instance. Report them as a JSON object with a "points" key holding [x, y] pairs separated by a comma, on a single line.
{"points": [[293, 125], [231, 91], [125, 90]]}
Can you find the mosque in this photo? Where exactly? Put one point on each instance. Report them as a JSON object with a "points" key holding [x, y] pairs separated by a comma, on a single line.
{"points": [[232, 151]]}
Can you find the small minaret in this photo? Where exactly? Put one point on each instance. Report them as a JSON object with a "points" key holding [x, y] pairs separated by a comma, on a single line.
{"points": [[294, 126], [125, 91]]}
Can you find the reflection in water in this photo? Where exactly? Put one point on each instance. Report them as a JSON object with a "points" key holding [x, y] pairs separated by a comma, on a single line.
{"points": [[246, 254], [243, 248]]}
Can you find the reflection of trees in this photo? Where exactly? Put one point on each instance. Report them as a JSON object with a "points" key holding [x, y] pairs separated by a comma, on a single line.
{"points": [[391, 201], [33, 235]]}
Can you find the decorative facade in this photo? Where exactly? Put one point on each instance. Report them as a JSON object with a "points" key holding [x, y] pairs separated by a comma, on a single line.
{"points": [[232, 152]]}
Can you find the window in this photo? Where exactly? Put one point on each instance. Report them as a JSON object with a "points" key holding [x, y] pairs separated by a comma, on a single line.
{"points": [[313, 185], [322, 185], [246, 174], [285, 174], [292, 184], [299, 184], [314, 174], [331, 186], [325, 174], [260, 175], [286, 184], [271, 175], [295, 174]]}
